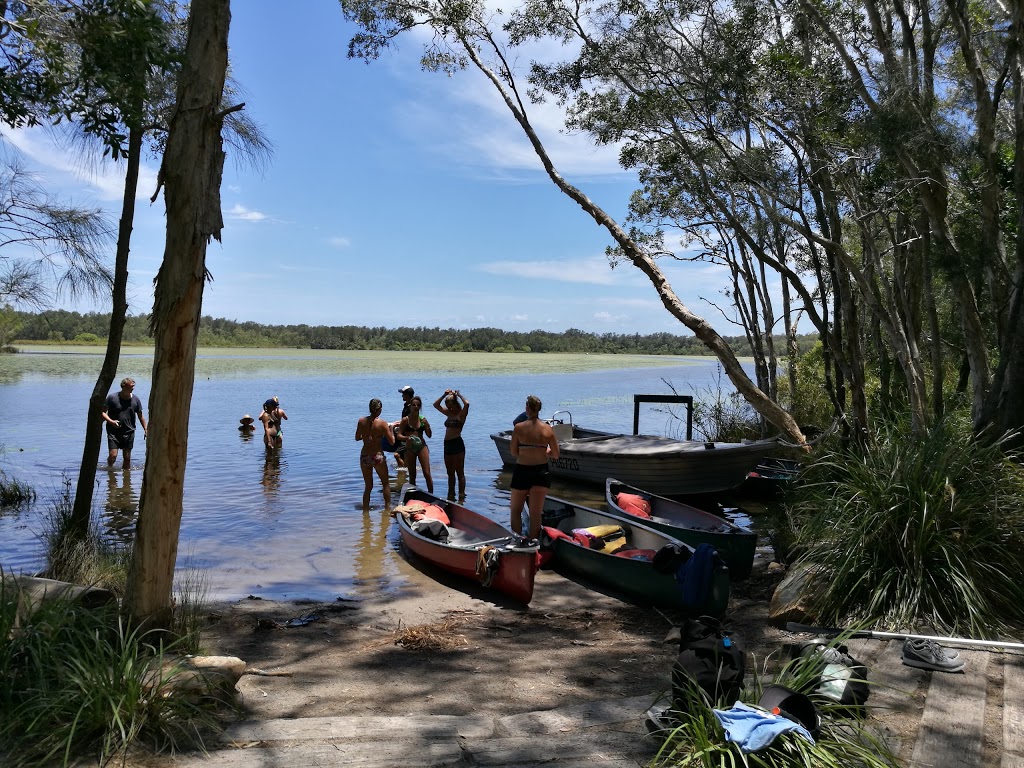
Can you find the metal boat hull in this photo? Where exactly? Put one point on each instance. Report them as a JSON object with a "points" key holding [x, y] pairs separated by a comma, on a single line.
{"points": [[658, 464]]}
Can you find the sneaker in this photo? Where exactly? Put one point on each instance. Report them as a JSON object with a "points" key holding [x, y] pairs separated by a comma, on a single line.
{"points": [[928, 654]]}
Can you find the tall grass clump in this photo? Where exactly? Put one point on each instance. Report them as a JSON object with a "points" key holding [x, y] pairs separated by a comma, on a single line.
{"points": [[94, 561], [916, 531], [79, 685], [14, 492], [699, 741]]}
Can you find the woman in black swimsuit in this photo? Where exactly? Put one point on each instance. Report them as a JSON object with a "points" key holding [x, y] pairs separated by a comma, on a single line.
{"points": [[455, 410], [533, 443], [412, 429]]}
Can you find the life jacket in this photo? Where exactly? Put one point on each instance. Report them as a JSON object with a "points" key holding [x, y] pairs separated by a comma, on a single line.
{"points": [[634, 504]]}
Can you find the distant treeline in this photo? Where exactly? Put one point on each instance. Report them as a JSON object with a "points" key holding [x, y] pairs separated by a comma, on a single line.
{"points": [[92, 327]]}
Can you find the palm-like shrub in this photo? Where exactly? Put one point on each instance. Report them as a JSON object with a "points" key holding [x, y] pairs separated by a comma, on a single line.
{"points": [[78, 683], [916, 531]]}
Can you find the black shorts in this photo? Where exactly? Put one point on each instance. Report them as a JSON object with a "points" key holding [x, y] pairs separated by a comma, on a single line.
{"points": [[527, 476], [123, 440], [454, 446]]}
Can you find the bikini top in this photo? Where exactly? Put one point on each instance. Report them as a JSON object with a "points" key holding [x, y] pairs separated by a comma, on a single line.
{"points": [[453, 422]]}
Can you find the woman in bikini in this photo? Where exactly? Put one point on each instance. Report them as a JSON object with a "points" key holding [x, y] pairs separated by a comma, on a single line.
{"points": [[372, 430], [412, 429], [533, 443], [455, 410], [272, 417]]}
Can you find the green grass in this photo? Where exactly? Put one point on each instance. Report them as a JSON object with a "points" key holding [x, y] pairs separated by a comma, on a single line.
{"points": [[79, 685], [916, 532]]}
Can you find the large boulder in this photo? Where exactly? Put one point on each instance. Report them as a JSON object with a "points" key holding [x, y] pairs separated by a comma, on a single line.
{"points": [[792, 598]]}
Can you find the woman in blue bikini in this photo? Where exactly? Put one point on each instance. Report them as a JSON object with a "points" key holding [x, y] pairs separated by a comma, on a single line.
{"points": [[533, 443], [412, 429], [455, 410]]}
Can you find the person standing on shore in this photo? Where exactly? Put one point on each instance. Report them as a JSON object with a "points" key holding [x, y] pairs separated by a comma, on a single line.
{"points": [[375, 433], [533, 443], [272, 416], [455, 410], [119, 413]]}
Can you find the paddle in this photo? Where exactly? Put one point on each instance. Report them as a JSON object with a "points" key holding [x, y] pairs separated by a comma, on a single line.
{"points": [[793, 626]]}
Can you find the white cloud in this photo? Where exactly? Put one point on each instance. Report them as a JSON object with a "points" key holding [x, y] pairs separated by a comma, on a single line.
{"points": [[339, 242], [520, 318], [594, 270], [104, 178], [241, 213], [608, 317]]}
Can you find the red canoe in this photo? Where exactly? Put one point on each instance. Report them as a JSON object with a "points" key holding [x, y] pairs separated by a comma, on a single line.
{"points": [[468, 544]]}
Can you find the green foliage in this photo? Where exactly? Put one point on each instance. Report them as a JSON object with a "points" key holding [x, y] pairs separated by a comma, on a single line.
{"points": [[699, 740], [93, 560], [80, 682], [917, 531], [220, 332]]}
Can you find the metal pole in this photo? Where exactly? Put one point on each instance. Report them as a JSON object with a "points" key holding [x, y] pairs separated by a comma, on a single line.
{"points": [[793, 626]]}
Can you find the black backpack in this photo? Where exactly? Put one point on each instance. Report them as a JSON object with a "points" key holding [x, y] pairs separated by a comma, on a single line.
{"points": [[710, 665]]}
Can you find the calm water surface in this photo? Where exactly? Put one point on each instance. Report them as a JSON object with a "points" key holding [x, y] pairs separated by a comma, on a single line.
{"points": [[290, 524]]}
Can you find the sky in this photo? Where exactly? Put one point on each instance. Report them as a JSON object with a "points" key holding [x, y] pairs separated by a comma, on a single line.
{"points": [[394, 197]]}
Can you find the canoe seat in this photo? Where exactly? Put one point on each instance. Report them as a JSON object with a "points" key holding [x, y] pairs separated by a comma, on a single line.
{"points": [[552, 515]]}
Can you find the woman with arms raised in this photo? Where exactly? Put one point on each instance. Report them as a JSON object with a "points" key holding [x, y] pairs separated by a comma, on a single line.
{"points": [[455, 410]]}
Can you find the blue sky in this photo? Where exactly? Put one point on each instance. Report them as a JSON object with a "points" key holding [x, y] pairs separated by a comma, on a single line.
{"points": [[394, 197]]}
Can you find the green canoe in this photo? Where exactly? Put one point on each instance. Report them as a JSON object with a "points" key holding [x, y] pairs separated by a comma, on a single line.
{"points": [[632, 576], [689, 524]]}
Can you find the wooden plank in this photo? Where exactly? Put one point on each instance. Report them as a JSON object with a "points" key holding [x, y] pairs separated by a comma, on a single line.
{"points": [[564, 719], [434, 727], [953, 722], [1013, 711], [373, 754]]}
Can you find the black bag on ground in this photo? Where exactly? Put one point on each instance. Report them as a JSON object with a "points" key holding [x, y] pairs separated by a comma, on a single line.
{"points": [[710, 661], [838, 677]]}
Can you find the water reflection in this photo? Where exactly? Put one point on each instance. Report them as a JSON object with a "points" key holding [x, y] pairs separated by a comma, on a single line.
{"points": [[271, 480], [372, 548], [121, 507]]}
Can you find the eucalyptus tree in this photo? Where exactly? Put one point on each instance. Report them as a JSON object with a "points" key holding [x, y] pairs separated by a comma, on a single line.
{"points": [[465, 34], [805, 141]]}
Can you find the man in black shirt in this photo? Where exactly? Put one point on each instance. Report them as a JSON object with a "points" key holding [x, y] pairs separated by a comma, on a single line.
{"points": [[119, 413]]}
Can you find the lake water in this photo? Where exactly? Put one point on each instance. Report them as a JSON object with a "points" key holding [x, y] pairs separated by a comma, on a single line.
{"points": [[290, 524]]}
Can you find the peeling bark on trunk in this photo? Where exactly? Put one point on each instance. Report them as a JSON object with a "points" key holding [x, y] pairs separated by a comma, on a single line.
{"points": [[191, 174]]}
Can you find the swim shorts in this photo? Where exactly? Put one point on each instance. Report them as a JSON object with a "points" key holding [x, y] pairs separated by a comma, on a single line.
{"points": [[123, 440], [454, 446], [527, 476], [372, 459]]}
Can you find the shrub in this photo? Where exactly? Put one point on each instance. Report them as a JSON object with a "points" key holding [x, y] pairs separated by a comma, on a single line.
{"points": [[917, 531], [80, 682]]}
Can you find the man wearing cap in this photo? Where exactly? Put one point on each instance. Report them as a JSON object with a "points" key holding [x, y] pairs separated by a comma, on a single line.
{"points": [[119, 413], [399, 445]]}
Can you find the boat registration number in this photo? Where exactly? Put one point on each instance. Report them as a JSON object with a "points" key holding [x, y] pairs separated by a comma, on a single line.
{"points": [[561, 463]]}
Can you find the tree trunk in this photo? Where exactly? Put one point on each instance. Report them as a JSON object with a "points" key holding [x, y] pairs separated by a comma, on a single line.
{"points": [[81, 511], [191, 173]]}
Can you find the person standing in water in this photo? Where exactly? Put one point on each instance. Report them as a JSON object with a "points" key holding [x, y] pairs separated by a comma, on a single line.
{"points": [[455, 410], [533, 443], [375, 432], [120, 412], [272, 417], [412, 429]]}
